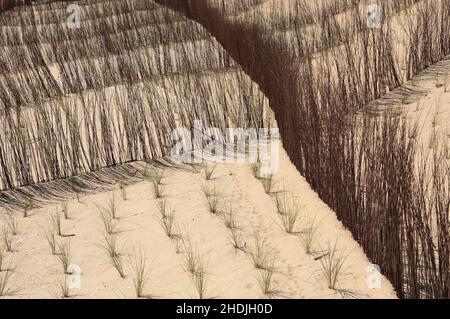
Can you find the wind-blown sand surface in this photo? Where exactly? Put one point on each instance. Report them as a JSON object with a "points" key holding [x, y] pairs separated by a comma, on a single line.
{"points": [[230, 272]]}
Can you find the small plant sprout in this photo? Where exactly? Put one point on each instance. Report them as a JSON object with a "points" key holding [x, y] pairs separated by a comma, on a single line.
{"points": [[113, 206], [7, 239], [179, 240], [209, 190], [163, 208], [289, 221], [62, 285], [123, 190], [5, 277], [116, 262], [280, 201], [108, 221], [332, 264], [236, 240], [208, 170], [256, 168], [13, 224], [191, 258], [268, 183], [158, 191], [307, 236], [213, 198], [214, 204], [291, 210], [200, 278], [140, 271], [168, 225], [64, 256], [158, 176], [196, 167], [260, 255], [265, 280], [56, 223], [28, 206], [178, 245], [190, 261], [229, 219], [65, 208], [110, 245], [50, 236]]}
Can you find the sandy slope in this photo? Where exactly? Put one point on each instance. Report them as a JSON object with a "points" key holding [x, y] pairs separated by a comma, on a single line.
{"points": [[425, 102], [230, 272]]}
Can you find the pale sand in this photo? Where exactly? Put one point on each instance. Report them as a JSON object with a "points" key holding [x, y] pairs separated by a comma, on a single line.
{"points": [[230, 273]]}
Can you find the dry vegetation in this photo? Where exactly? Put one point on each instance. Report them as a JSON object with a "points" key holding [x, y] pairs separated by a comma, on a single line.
{"points": [[362, 164], [77, 106], [58, 99]]}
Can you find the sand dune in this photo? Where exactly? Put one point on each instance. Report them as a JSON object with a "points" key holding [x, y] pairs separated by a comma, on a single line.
{"points": [[230, 272]]}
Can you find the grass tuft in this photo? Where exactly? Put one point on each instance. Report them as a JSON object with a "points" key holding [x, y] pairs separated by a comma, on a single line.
{"points": [[265, 280], [230, 220], [191, 259], [307, 236], [214, 204], [163, 208], [56, 223], [260, 254], [62, 283], [208, 171], [110, 248], [141, 273], [332, 265], [256, 168], [116, 262], [158, 190], [64, 256], [168, 224], [158, 176], [7, 239], [13, 224], [288, 207], [201, 282], [123, 191], [28, 206], [110, 245], [5, 277], [113, 206], [109, 223], [50, 236], [213, 198], [268, 183], [236, 240], [65, 208]]}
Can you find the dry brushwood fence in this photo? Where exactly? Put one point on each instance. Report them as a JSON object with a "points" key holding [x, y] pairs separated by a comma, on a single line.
{"points": [[320, 66], [74, 101]]}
